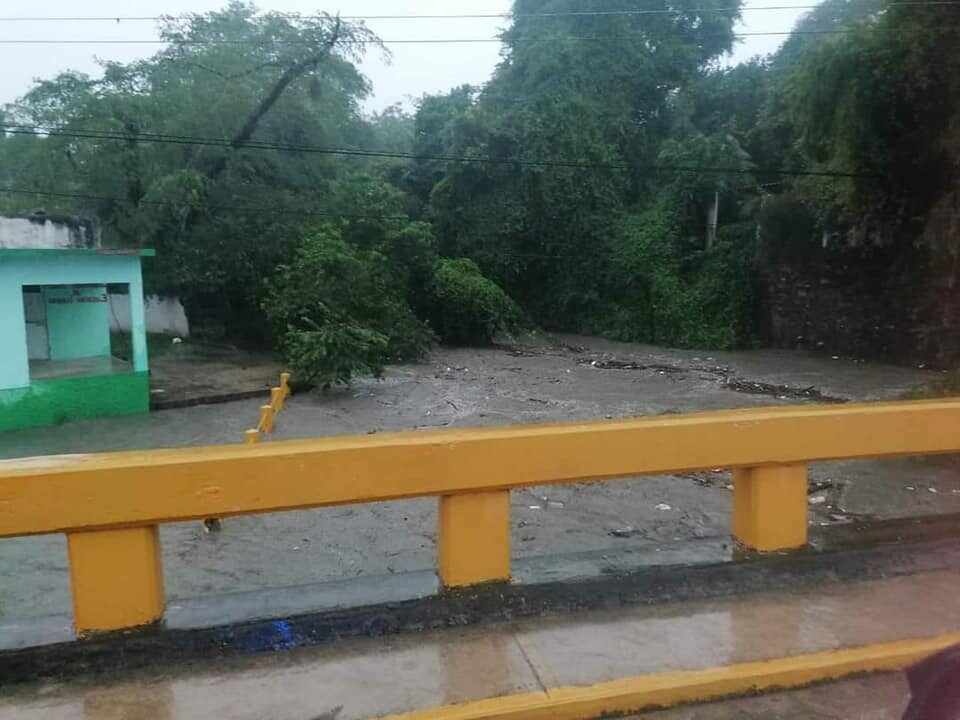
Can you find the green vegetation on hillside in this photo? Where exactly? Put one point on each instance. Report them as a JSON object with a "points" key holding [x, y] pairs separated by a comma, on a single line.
{"points": [[575, 190]]}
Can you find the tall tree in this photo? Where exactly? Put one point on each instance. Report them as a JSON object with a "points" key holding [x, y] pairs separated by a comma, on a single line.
{"points": [[586, 95], [229, 78]]}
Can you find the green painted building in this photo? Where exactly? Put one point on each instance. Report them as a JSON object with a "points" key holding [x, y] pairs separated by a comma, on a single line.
{"points": [[56, 363]]}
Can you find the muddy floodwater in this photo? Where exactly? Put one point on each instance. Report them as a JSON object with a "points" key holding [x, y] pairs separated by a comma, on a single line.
{"points": [[540, 380]]}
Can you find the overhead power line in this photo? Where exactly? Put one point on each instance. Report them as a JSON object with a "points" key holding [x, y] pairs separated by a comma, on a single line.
{"points": [[386, 154], [417, 41], [462, 16], [232, 208]]}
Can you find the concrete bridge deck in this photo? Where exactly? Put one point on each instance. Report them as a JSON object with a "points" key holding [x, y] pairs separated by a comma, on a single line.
{"points": [[415, 672]]}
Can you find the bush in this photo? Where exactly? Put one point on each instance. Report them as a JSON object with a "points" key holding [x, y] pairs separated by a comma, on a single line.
{"points": [[697, 298], [334, 353], [469, 308], [338, 311]]}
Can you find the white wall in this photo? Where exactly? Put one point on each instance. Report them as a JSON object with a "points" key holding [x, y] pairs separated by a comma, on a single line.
{"points": [[164, 315], [43, 233]]}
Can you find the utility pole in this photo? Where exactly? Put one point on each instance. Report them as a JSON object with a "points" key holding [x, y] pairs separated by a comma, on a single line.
{"points": [[713, 215]]}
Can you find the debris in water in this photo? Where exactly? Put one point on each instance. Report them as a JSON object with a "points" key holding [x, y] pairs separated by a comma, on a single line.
{"points": [[932, 490], [700, 479], [625, 531], [729, 487], [817, 499], [536, 507], [664, 506], [911, 488], [212, 525], [556, 504], [783, 392], [613, 364]]}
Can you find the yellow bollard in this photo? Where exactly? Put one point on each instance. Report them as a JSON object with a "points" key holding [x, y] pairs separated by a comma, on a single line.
{"points": [[276, 399], [770, 507], [266, 419], [116, 577], [251, 437], [474, 538], [285, 384]]}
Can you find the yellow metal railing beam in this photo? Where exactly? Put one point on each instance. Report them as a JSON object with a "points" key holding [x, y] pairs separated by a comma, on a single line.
{"points": [[82, 492]]}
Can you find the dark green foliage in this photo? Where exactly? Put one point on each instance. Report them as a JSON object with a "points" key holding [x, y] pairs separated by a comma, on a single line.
{"points": [[884, 102], [468, 308], [551, 236], [333, 353], [339, 310], [660, 293]]}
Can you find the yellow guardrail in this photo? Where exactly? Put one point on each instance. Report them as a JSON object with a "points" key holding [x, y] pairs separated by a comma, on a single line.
{"points": [[110, 505], [268, 413]]}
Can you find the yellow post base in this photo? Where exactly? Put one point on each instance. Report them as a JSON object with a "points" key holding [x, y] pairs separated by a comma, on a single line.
{"points": [[770, 507], [474, 538], [116, 577]]}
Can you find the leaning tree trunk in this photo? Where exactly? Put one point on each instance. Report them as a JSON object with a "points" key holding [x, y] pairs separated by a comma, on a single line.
{"points": [[292, 73]]}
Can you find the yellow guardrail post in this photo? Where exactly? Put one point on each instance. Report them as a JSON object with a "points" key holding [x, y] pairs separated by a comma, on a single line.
{"points": [[251, 437], [266, 419], [285, 384], [116, 577], [276, 399], [770, 507], [474, 538]]}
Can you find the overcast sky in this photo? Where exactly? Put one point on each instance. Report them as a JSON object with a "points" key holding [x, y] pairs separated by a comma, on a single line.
{"points": [[414, 70]]}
